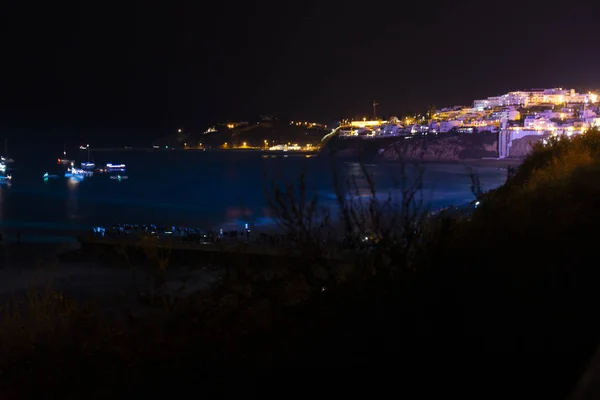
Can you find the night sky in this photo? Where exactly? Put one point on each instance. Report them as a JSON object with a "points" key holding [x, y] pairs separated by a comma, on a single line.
{"points": [[149, 68]]}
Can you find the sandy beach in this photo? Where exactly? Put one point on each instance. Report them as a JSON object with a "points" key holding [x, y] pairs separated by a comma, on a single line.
{"points": [[492, 162], [28, 267], [471, 162]]}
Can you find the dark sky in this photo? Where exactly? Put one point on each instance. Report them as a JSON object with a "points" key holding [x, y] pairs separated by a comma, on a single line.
{"points": [[147, 67]]}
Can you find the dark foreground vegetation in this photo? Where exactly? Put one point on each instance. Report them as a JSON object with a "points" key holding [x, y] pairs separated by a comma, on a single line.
{"points": [[499, 301]]}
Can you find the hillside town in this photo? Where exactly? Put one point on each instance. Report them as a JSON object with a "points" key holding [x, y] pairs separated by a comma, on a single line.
{"points": [[505, 126], [534, 113], [537, 111]]}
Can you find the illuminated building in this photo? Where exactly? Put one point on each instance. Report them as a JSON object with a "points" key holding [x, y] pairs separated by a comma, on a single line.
{"points": [[364, 123], [536, 96]]}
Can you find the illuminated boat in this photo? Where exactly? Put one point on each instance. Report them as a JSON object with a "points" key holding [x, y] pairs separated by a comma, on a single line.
{"points": [[115, 167], [119, 177], [89, 163], [5, 179], [49, 176], [64, 160], [2, 167], [76, 172]]}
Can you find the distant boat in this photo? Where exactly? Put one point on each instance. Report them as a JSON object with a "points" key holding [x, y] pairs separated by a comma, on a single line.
{"points": [[119, 177], [49, 176], [64, 160], [115, 167], [77, 173], [88, 164], [5, 179]]}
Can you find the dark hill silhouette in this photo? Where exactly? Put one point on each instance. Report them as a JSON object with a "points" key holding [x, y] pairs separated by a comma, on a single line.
{"points": [[253, 134]]}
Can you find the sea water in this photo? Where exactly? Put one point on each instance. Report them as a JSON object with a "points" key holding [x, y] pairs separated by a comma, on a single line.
{"points": [[210, 190]]}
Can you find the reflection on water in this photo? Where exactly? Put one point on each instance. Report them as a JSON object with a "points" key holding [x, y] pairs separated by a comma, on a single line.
{"points": [[72, 204], [2, 195]]}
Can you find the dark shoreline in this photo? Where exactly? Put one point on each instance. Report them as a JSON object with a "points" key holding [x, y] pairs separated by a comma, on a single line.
{"points": [[471, 162], [500, 163], [153, 150]]}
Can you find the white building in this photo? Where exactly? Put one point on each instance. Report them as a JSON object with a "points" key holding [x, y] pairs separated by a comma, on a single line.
{"points": [[490, 102], [536, 96], [392, 130], [538, 123], [434, 126], [507, 113], [594, 122], [446, 126], [588, 114]]}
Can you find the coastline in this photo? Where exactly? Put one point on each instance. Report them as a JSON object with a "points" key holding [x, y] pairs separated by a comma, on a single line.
{"points": [[470, 162], [493, 162]]}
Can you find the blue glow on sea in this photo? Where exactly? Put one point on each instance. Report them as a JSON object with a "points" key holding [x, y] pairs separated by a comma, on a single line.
{"points": [[210, 190]]}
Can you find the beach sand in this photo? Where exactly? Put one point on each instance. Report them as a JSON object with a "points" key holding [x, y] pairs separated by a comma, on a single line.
{"points": [[493, 162], [28, 267], [471, 162]]}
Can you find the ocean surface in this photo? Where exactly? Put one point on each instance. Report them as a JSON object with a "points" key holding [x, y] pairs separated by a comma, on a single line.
{"points": [[210, 190]]}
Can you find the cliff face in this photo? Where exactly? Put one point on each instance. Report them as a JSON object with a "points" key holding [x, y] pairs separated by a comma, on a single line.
{"points": [[356, 148], [520, 148], [449, 148]]}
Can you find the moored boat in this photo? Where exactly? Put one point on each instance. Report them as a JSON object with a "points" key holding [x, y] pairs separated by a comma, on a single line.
{"points": [[115, 167]]}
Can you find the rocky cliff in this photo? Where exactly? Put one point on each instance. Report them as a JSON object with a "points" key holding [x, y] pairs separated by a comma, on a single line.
{"points": [[355, 148], [451, 147], [520, 148]]}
